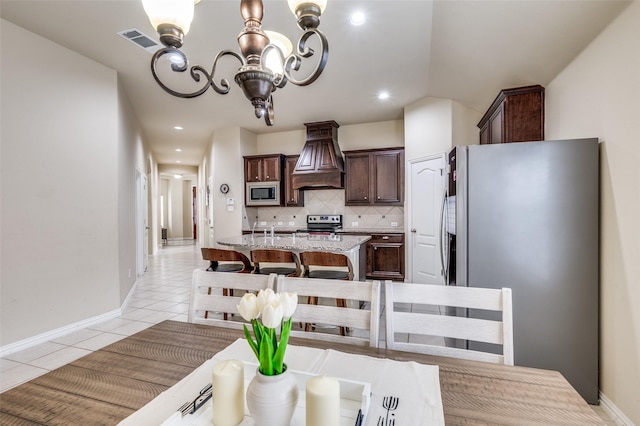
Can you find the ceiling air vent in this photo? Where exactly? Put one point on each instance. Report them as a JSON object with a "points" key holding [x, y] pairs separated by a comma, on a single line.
{"points": [[140, 39]]}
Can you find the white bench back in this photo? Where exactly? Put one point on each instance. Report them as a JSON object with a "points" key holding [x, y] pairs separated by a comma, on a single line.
{"points": [[435, 324], [215, 303], [356, 318]]}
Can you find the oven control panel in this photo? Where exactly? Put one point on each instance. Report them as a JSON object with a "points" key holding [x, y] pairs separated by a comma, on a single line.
{"points": [[334, 219]]}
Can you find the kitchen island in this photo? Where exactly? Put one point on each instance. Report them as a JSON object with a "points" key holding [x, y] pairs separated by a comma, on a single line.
{"points": [[353, 246]]}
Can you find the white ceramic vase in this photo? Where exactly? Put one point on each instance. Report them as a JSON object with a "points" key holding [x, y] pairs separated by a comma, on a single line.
{"points": [[272, 400]]}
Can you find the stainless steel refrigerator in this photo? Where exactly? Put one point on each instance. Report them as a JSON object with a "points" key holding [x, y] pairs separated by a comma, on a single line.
{"points": [[525, 216]]}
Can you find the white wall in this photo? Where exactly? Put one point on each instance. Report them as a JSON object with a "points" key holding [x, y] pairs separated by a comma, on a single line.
{"points": [[427, 127], [132, 155], [384, 134], [224, 156], [435, 125], [598, 95], [60, 207]]}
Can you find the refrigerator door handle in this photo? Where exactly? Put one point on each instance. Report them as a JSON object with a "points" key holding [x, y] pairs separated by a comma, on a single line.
{"points": [[443, 225]]}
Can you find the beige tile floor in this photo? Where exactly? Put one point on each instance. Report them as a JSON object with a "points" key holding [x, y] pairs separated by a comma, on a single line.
{"points": [[161, 294]]}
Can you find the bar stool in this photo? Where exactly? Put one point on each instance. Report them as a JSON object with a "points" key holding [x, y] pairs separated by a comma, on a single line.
{"points": [[310, 259], [268, 256], [234, 261]]}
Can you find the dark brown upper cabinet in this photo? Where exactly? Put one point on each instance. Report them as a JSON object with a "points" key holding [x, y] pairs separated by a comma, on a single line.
{"points": [[516, 115], [374, 177], [293, 197], [263, 168]]}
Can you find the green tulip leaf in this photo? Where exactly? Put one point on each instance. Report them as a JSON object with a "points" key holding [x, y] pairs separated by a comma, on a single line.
{"points": [[278, 359], [253, 344], [266, 360]]}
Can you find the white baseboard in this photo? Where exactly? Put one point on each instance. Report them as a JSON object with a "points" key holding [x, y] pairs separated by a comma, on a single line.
{"points": [[614, 412], [58, 332], [129, 295], [53, 334]]}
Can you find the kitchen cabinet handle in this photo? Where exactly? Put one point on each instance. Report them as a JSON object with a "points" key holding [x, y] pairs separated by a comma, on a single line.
{"points": [[256, 177], [378, 197], [267, 176], [365, 198], [386, 237]]}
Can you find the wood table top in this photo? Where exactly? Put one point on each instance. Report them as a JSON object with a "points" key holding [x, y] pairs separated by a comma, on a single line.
{"points": [[108, 385]]}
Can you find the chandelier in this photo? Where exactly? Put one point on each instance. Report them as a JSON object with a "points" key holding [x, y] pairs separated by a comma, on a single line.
{"points": [[257, 78]]}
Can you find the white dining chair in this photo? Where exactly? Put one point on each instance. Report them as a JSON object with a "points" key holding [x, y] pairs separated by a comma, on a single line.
{"points": [[361, 313], [433, 323], [207, 296]]}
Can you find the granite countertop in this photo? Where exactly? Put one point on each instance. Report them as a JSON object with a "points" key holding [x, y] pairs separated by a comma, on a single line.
{"points": [[302, 242], [287, 229], [390, 230]]}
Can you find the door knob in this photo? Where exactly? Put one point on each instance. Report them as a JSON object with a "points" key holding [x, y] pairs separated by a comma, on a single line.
{"points": [[413, 230]]}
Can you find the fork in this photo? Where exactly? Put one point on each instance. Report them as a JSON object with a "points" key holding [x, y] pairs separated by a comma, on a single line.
{"points": [[390, 403]]}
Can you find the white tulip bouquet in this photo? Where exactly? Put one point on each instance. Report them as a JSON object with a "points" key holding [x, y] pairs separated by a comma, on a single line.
{"points": [[274, 309]]}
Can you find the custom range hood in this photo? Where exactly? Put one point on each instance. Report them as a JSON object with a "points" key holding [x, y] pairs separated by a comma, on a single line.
{"points": [[320, 165]]}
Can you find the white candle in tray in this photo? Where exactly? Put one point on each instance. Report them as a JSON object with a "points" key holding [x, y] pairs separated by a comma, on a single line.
{"points": [[228, 393], [323, 401]]}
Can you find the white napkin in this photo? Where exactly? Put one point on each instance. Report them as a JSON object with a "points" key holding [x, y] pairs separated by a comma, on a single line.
{"points": [[403, 393]]}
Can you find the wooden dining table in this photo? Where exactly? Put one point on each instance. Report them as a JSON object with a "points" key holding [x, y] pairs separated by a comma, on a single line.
{"points": [[108, 385]]}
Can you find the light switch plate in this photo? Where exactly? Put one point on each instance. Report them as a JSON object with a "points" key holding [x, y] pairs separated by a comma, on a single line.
{"points": [[279, 223], [230, 208], [263, 223], [354, 223], [292, 224], [230, 201], [394, 224]]}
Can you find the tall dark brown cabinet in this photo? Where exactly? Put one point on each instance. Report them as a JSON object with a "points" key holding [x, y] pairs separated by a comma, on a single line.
{"points": [[516, 115]]}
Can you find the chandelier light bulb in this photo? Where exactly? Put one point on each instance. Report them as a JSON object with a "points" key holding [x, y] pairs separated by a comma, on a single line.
{"points": [[273, 61], [295, 4], [173, 12]]}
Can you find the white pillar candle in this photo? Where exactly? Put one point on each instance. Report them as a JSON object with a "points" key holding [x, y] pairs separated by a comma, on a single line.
{"points": [[228, 393], [323, 401]]}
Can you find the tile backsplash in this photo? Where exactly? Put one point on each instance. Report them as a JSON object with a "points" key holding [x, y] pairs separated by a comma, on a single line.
{"points": [[325, 201]]}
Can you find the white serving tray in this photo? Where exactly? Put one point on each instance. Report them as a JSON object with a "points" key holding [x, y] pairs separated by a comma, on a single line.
{"points": [[354, 403]]}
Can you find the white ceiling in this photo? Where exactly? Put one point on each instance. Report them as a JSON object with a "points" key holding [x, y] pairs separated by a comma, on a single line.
{"points": [[461, 50]]}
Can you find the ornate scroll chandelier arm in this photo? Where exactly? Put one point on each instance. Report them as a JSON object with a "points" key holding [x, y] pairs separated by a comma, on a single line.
{"points": [[303, 51], [197, 72]]}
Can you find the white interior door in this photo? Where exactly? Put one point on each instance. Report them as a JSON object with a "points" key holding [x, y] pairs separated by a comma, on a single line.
{"points": [[142, 225], [426, 194], [210, 218]]}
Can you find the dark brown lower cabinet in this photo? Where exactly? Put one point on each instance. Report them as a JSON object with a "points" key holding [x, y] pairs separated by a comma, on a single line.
{"points": [[385, 257]]}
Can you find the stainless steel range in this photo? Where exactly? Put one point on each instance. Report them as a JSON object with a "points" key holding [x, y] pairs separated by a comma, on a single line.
{"points": [[323, 224]]}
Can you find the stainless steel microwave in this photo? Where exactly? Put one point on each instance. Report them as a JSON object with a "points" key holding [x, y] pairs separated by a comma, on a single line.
{"points": [[263, 194]]}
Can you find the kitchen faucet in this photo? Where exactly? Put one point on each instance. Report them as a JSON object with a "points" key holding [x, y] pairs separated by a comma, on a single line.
{"points": [[273, 228], [253, 231]]}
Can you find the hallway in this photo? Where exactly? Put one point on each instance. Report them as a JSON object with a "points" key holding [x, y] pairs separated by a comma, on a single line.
{"points": [[161, 294]]}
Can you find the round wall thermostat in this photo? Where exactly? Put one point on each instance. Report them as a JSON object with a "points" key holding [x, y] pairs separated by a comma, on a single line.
{"points": [[224, 188]]}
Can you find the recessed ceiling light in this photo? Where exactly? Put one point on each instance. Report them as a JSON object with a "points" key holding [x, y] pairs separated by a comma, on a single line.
{"points": [[383, 95], [178, 161], [178, 150], [178, 127], [177, 176], [357, 18]]}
